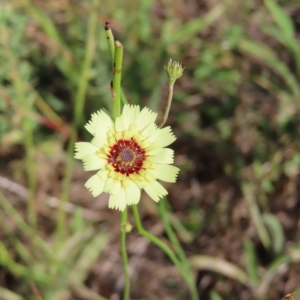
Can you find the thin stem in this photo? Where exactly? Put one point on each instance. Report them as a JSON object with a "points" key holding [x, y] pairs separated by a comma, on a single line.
{"points": [[166, 114], [117, 50], [117, 79], [124, 256], [110, 41], [164, 215], [187, 268], [79, 104], [111, 46], [153, 238], [166, 250]]}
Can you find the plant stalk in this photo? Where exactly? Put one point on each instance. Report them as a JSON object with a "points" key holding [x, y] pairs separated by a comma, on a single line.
{"points": [[170, 253]]}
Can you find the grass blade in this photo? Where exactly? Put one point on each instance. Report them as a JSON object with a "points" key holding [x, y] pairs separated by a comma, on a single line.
{"points": [[9, 295], [283, 21], [251, 261], [219, 265], [272, 60]]}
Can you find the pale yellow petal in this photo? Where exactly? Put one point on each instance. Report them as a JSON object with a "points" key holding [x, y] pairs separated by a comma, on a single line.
{"points": [[133, 194], [99, 124], [164, 137], [117, 200], [165, 172], [155, 190], [122, 123], [83, 149], [99, 140], [110, 186], [161, 156], [145, 117], [95, 185], [103, 174], [131, 111], [149, 130], [93, 162], [127, 135]]}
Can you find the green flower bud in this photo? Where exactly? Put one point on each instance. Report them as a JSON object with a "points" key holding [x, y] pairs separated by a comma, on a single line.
{"points": [[127, 227], [174, 70]]}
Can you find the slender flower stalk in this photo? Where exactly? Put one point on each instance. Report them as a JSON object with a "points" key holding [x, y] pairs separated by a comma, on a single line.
{"points": [[110, 42], [180, 265], [111, 46], [174, 70], [117, 76], [116, 87], [156, 241], [186, 269], [126, 295]]}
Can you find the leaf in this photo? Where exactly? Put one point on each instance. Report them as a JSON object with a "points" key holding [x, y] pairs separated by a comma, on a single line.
{"points": [[190, 29], [251, 261], [214, 295], [277, 234], [271, 59], [272, 271], [219, 265], [87, 258], [30, 273], [72, 247], [283, 21], [77, 223], [285, 32], [248, 192], [9, 295]]}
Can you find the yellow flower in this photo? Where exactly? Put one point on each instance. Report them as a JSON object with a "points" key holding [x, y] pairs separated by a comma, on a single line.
{"points": [[130, 155]]}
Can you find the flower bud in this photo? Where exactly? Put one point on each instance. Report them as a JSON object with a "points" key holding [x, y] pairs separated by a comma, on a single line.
{"points": [[174, 70], [126, 227]]}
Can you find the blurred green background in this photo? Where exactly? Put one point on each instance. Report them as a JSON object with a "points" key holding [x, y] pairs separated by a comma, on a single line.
{"points": [[235, 113]]}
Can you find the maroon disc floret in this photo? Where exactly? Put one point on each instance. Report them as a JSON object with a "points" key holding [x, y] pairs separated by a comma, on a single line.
{"points": [[127, 156]]}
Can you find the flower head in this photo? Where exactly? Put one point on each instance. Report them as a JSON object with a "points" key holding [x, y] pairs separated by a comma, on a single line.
{"points": [[130, 155], [174, 71]]}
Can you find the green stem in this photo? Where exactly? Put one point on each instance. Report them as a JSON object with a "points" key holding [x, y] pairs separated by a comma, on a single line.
{"points": [[110, 42], [166, 114], [111, 47], [124, 256], [116, 88], [116, 94], [166, 250], [173, 239], [153, 238], [78, 108], [164, 215]]}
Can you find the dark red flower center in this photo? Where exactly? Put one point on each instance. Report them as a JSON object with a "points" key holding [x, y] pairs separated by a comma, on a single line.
{"points": [[127, 156]]}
